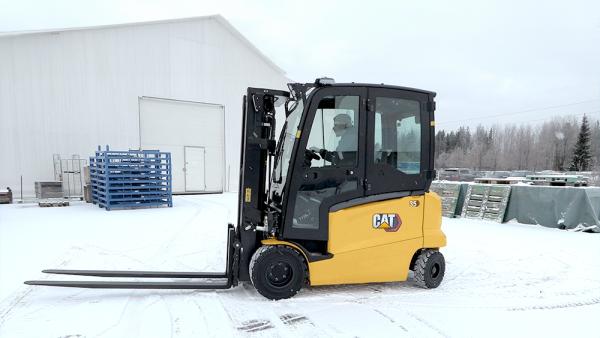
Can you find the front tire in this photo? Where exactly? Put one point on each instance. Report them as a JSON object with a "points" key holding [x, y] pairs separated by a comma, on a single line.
{"points": [[277, 271], [429, 269]]}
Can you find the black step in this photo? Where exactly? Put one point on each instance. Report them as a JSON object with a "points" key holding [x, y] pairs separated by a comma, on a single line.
{"points": [[137, 274], [132, 285]]}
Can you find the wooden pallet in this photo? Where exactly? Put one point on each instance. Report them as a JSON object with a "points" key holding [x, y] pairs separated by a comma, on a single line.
{"points": [[485, 201], [491, 180], [47, 204]]}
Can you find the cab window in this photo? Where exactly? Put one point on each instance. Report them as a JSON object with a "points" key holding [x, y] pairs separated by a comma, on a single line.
{"points": [[398, 134], [334, 133]]}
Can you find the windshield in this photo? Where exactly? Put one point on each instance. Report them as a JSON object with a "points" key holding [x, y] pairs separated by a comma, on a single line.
{"points": [[287, 142]]}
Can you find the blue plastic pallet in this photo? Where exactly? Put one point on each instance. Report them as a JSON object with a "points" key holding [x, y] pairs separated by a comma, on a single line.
{"points": [[131, 179]]}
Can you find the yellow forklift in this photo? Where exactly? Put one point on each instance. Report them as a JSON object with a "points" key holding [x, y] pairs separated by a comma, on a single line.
{"points": [[341, 198]]}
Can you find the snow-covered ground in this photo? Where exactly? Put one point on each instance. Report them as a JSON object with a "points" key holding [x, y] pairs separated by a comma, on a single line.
{"points": [[501, 280]]}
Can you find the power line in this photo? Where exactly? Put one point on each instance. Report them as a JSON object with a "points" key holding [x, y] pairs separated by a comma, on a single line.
{"points": [[554, 116], [550, 117], [519, 112]]}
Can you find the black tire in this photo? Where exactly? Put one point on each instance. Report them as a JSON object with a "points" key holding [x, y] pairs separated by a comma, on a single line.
{"points": [[277, 271], [429, 269]]}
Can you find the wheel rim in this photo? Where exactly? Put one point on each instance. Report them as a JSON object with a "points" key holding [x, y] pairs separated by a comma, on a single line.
{"points": [[279, 274], [435, 270]]}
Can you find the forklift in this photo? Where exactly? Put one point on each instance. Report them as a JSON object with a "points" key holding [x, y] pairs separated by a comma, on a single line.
{"points": [[341, 198]]}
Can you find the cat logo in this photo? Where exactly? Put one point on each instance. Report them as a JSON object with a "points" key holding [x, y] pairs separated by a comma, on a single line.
{"points": [[387, 222]]}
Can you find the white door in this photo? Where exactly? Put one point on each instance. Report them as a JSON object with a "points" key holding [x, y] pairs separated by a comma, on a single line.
{"points": [[195, 174]]}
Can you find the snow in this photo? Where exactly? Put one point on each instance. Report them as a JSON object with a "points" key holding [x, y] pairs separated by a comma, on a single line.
{"points": [[501, 280]]}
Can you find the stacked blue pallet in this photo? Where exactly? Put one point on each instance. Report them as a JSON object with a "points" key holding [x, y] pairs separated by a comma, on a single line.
{"points": [[132, 178]]}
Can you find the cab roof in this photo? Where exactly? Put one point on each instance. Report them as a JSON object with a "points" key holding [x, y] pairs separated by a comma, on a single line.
{"points": [[372, 85]]}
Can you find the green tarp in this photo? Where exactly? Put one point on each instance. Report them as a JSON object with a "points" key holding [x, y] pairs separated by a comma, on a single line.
{"points": [[555, 207]]}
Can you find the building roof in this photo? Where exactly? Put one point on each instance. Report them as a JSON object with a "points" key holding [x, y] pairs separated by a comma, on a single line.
{"points": [[216, 17]]}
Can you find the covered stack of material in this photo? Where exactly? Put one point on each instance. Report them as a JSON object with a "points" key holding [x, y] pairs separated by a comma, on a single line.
{"points": [[6, 196], [48, 190], [452, 196], [132, 178], [87, 184]]}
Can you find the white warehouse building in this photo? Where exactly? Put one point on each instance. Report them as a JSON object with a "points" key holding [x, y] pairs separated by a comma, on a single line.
{"points": [[173, 85]]}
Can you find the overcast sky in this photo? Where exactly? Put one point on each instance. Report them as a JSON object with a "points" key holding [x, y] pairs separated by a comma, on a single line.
{"points": [[489, 61]]}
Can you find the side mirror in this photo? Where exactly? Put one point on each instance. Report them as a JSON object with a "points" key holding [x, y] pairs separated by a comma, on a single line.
{"points": [[290, 105]]}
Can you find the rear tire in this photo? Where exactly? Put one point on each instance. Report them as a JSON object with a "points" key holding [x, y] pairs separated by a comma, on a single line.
{"points": [[429, 269], [277, 271]]}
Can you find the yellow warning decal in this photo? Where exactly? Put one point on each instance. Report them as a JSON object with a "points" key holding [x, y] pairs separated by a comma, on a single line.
{"points": [[298, 133], [248, 195], [432, 123]]}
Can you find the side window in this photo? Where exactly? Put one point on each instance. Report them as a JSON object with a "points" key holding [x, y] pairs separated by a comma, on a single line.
{"points": [[398, 134], [334, 132]]}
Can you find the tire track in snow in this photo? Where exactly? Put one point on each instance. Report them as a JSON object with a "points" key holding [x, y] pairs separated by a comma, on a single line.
{"points": [[592, 301], [118, 321], [201, 212], [293, 325], [14, 303], [171, 319], [400, 298], [390, 319], [19, 299], [255, 325], [428, 324]]}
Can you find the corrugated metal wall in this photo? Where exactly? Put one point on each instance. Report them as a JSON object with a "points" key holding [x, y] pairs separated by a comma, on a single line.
{"points": [[67, 92]]}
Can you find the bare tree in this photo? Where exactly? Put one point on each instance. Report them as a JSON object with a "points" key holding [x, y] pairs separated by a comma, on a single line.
{"points": [[548, 145]]}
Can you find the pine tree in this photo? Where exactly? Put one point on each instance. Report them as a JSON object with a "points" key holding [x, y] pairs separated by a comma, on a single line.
{"points": [[581, 154]]}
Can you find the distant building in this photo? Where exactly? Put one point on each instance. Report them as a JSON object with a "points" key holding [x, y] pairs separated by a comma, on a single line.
{"points": [[175, 85]]}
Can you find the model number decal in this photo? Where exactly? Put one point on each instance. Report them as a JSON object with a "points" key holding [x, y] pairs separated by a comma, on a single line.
{"points": [[387, 222], [248, 195]]}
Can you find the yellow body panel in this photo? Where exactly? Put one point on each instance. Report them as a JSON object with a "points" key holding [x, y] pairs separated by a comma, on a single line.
{"points": [[352, 228], [433, 237], [370, 247], [383, 263]]}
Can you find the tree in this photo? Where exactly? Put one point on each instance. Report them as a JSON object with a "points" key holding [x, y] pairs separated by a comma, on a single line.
{"points": [[595, 145], [581, 154], [479, 148], [548, 145]]}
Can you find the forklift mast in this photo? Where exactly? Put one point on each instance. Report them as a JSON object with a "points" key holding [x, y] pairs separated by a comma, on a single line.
{"points": [[258, 145]]}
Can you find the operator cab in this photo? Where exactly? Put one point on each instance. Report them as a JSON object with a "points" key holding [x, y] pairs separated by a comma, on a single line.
{"points": [[348, 144]]}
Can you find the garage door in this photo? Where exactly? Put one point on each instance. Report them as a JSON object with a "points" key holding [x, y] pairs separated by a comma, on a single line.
{"points": [[194, 134]]}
